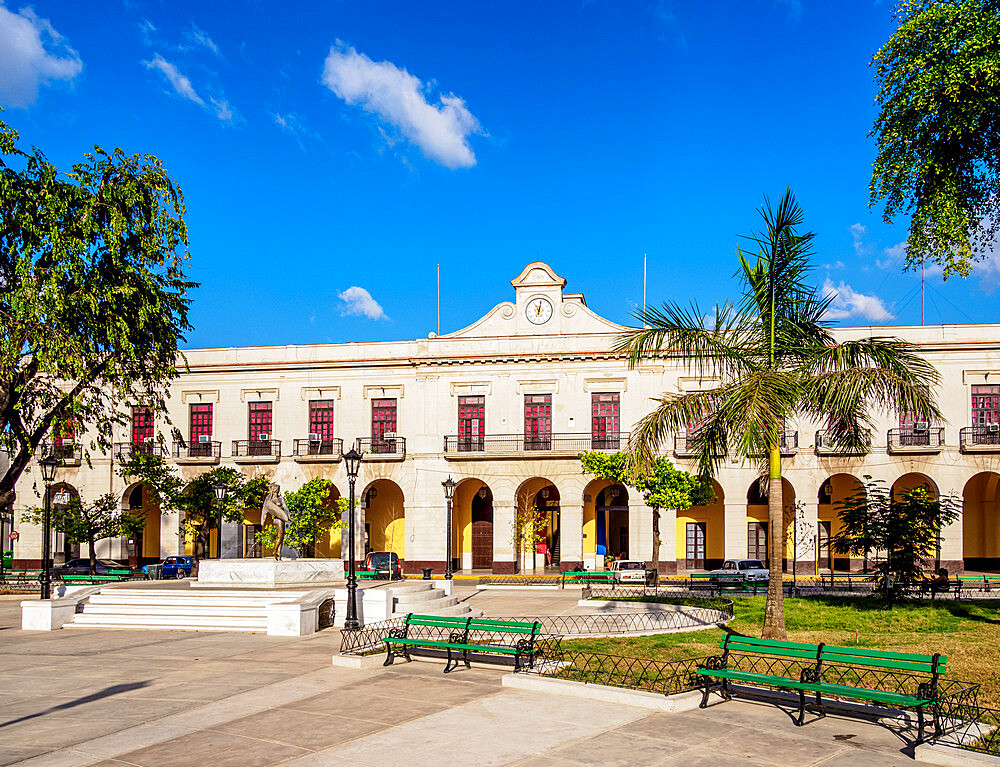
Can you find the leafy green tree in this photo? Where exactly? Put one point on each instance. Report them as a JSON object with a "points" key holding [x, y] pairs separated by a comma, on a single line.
{"points": [[904, 528], [313, 511], [90, 522], [93, 300], [768, 360], [938, 130], [196, 499], [662, 486]]}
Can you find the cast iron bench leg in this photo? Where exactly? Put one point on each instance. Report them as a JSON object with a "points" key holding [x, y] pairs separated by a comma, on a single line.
{"points": [[802, 709], [389, 655], [448, 664], [920, 725]]}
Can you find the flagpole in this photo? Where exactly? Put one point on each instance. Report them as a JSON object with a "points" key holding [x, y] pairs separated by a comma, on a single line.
{"points": [[439, 298]]}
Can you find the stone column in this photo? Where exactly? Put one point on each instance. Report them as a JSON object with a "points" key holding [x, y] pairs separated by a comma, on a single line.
{"points": [[231, 540], [170, 539], [736, 530], [425, 528], [668, 541], [570, 537], [952, 546], [640, 529], [805, 537], [503, 531]]}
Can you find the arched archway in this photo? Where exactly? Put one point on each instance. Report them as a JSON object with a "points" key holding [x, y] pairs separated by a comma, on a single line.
{"points": [[981, 522], [833, 490], [701, 534], [758, 539], [384, 518], [913, 480], [472, 526], [537, 520], [611, 517], [145, 547]]}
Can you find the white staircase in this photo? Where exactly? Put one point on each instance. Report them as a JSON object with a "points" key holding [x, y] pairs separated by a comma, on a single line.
{"points": [[425, 598], [181, 609]]}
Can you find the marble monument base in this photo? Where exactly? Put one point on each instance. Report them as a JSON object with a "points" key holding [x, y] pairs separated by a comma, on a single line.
{"points": [[267, 573]]}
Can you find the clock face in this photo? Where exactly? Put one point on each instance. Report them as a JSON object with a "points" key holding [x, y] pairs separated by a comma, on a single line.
{"points": [[538, 311]]}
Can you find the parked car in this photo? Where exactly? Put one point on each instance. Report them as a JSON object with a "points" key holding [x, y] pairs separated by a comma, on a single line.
{"points": [[741, 569], [385, 563], [82, 567], [629, 571], [175, 567]]}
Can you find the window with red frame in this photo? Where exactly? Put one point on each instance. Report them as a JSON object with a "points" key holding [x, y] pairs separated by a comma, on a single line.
{"points": [[537, 421], [605, 421], [142, 425], [321, 419], [65, 433], [471, 422], [383, 418], [985, 404], [259, 421], [201, 423]]}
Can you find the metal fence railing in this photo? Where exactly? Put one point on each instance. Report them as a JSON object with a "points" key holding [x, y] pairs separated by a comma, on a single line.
{"points": [[318, 448], [207, 450], [962, 722], [256, 448], [519, 580], [826, 444], [901, 439], [986, 435], [513, 445], [382, 449]]}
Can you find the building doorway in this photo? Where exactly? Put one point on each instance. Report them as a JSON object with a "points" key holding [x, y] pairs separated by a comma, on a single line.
{"points": [[482, 529]]}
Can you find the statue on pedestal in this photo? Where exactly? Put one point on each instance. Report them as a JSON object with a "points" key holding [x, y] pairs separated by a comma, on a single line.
{"points": [[274, 504]]}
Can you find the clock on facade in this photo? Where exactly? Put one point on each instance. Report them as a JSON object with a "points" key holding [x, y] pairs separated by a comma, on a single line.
{"points": [[538, 311]]}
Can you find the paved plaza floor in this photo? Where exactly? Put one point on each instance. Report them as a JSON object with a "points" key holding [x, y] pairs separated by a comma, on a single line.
{"points": [[176, 699]]}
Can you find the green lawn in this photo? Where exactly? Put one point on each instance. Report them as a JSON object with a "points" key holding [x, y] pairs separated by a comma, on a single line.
{"points": [[968, 633]]}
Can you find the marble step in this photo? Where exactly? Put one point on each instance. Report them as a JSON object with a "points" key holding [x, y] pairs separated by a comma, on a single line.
{"points": [[188, 601], [154, 609], [419, 597], [198, 622], [461, 609]]}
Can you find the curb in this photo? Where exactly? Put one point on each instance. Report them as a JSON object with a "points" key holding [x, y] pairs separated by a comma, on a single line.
{"points": [[950, 756], [685, 701]]}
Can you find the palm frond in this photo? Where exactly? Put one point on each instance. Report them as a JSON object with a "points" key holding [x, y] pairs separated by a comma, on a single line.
{"points": [[673, 413]]}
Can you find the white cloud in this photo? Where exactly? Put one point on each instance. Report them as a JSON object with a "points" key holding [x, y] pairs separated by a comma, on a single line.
{"points": [[200, 37], [181, 84], [183, 87], [847, 302], [31, 53], [858, 232], [360, 302], [441, 131]]}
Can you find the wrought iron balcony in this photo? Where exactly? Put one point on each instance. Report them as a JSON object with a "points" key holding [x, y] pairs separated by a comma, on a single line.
{"points": [[382, 449], [684, 447], [914, 440], [318, 450], [984, 438], [68, 453], [826, 445], [256, 450], [125, 450], [457, 448], [197, 452]]}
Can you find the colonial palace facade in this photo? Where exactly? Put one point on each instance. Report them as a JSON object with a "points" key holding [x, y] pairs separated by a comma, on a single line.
{"points": [[504, 406]]}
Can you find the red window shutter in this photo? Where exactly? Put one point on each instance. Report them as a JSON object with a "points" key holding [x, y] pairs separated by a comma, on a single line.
{"points": [[321, 419]]}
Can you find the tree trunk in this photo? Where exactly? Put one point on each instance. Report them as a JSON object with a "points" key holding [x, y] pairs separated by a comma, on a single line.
{"points": [[656, 542], [774, 609], [92, 545]]}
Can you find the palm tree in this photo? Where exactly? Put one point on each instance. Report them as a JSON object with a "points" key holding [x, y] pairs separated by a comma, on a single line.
{"points": [[772, 358]]}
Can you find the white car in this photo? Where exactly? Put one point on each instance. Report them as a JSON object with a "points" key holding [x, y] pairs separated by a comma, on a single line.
{"points": [[629, 571], [741, 569]]}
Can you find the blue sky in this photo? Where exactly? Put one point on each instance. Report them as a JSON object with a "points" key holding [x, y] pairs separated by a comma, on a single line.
{"points": [[332, 154]]}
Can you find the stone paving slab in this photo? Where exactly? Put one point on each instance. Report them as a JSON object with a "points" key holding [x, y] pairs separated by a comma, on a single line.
{"points": [[101, 697]]}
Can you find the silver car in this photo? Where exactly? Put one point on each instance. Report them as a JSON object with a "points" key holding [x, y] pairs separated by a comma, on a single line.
{"points": [[741, 569]]}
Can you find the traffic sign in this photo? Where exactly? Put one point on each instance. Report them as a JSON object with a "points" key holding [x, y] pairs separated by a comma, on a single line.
{"points": [[14, 535]]}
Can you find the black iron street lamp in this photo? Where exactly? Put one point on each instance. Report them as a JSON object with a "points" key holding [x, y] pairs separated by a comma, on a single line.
{"points": [[449, 493], [221, 490], [352, 461], [48, 464]]}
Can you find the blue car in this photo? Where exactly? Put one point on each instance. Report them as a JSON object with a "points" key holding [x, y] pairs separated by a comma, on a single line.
{"points": [[175, 567]]}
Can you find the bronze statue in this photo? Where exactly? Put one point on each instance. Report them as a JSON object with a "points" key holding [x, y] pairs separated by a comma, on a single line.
{"points": [[274, 504]]}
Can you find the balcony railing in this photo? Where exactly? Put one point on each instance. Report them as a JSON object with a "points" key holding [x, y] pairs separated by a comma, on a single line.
{"points": [[913, 440], [827, 445], [318, 449], [203, 452], [515, 445], [382, 449], [788, 442], [125, 450], [69, 454], [984, 438], [684, 446], [256, 449]]}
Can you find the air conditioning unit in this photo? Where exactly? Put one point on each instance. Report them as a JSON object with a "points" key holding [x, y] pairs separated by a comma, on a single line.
{"points": [[264, 437], [148, 440], [204, 437], [313, 437], [921, 426], [994, 427], [389, 435]]}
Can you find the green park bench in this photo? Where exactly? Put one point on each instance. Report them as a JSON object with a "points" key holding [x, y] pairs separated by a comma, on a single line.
{"points": [[112, 576], [366, 575], [858, 673], [599, 576], [481, 636], [983, 581]]}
